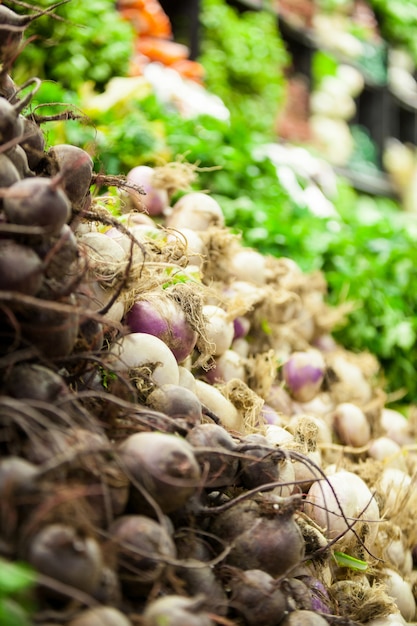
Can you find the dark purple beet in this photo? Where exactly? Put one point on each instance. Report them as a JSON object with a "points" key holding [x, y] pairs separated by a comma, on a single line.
{"points": [[21, 269]]}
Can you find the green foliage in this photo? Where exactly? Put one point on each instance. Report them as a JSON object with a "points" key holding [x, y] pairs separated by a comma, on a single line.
{"points": [[244, 58], [90, 43], [16, 581], [397, 20]]}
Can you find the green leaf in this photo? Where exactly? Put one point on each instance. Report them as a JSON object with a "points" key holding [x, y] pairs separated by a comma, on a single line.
{"points": [[15, 577], [344, 560]]}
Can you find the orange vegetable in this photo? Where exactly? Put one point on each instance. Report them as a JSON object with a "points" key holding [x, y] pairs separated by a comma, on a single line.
{"points": [[162, 50], [189, 69], [147, 17]]}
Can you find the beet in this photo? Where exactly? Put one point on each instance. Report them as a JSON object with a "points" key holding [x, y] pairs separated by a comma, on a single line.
{"points": [[37, 202], [271, 541], [162, 464], [21, 269], [60, 552], [76, 166], [257, 597], [212, 443], [141, 545]]}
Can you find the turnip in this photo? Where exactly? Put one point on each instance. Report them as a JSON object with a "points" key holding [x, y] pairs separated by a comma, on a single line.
{"points": [[141, 350], [351, 425], [303, 374], [100, 616], [161, 315], [219, 328], [249, 265], [227, 366], [197, 211], [219, 405], [173, 610], [154, 199], [161, 465], [302, 617], [341, 500], [400, 591]]}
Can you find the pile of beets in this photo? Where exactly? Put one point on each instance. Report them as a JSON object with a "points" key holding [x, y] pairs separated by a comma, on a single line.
{"points": [[182, 442]]}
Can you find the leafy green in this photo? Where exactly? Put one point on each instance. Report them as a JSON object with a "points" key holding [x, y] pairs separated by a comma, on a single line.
{"points": [[244, 59], [90, 43], [397, 20], [16, 581]]}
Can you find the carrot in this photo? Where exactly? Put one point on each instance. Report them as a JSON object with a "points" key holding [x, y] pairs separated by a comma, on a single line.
{"points": [[147, 18], [189, 69], [162, 50]]}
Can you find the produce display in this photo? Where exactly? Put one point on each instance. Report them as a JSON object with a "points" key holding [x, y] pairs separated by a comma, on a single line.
{"points": [[182, 440], [367, 254]]}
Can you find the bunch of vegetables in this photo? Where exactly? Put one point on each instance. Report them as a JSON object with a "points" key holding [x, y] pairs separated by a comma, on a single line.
{"points": [[182, 439]]}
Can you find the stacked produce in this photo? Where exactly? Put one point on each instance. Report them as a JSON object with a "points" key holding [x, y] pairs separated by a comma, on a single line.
{"points": [[182, 440]]}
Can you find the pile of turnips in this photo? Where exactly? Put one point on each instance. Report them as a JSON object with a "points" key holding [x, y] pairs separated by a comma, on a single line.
{"points": [[182, 441]]}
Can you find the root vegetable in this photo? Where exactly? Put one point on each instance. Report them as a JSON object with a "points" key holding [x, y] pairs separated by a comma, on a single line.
{"points": [[256, 596], [343, 495], [19, 159], [303, 617], [162, 316], [216, 402], [33, 143], [17, 476], [219, 328], [227, 366], [155, 199], [394, 485], [162, 464], [259, 464], [60, 552], [107, 259], [9, 174], [400, 591], [35, 381], [177, 402], [140, 350], [270, 542], [173, 610], [211, 444], [197, 211], [76, 166], [200, 581], [141, 544], [37, 202], [249, 265], [100, 616], [53, 332], [303, 374], [21, 269], [351, 425]]}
